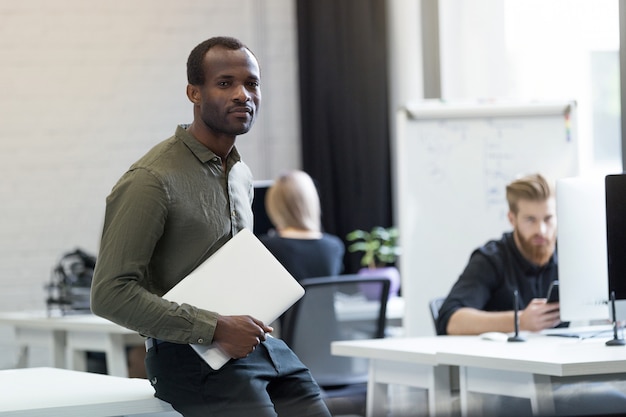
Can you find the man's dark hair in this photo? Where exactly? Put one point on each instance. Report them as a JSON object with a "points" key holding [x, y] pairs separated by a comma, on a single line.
{"points": [[195, 71]]}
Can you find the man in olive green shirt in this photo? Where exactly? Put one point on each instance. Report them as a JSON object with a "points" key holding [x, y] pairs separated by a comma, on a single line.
{"points": [[167, 214]]}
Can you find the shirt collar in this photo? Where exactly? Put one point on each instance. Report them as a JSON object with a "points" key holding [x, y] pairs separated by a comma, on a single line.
{"points": [[201, 152]]}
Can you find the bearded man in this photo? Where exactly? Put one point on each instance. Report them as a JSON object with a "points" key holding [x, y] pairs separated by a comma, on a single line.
{"points": [[523, 260]]}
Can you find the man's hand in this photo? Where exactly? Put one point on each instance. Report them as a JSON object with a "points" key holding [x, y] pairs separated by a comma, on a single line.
{"points": [[238, 336], [539, 315]]}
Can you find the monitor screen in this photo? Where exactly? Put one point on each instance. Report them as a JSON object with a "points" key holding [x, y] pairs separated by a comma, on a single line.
{"points": [[582, 249], [616, 240], [262, 223]]}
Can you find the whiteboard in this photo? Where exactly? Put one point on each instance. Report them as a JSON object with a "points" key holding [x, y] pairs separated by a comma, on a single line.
{"points": [[452, 162]]}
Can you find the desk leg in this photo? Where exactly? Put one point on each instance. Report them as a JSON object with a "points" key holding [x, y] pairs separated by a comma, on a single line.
{"points": [[78, 343], [22, 359], [377, 400], [536, 388], [76, 351], [467, 403], [52, 340], [434, 379], [439, 392], [542, 398], [116, 356]]}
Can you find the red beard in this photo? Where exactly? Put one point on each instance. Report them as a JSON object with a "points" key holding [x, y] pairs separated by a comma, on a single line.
{"points": [[538, 254]]}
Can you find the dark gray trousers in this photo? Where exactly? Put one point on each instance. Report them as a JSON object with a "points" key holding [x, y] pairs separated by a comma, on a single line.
{"points": [[270, 382]]}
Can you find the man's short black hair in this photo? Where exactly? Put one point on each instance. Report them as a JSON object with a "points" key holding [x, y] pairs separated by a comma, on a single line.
{"points": [[195, 71]]}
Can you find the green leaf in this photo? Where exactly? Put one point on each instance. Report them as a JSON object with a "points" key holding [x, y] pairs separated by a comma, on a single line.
{"points": [[379, 246]]}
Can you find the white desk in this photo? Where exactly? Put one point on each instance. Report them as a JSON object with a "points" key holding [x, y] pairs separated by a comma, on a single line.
{"points": [[526, 369], [403, 361], [529, 369], [349, 309], [68, 337], [51, 392]]}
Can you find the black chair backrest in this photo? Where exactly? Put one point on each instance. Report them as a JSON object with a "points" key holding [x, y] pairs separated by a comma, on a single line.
{"points": [[434, 306], [335, 308]]}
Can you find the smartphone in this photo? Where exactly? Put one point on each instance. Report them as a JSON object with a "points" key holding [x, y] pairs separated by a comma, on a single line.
{"points": [[553, 292]]}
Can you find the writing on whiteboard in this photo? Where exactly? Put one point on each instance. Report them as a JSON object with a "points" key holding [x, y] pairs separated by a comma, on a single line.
{"points": [[486, 153]]}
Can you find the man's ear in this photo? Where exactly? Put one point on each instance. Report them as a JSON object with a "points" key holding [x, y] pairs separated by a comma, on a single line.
{"points": [[511, 217], [193, 93]]}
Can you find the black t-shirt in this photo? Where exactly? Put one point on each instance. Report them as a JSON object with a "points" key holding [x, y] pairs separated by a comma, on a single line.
{"points": [[493, 272], [307, 258]]}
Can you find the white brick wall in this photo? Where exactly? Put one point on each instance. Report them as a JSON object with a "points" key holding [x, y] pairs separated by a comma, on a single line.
{"points": [[87, 87]]}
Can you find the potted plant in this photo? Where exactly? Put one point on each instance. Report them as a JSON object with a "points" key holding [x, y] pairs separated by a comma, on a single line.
{"points": [[380, 251]]}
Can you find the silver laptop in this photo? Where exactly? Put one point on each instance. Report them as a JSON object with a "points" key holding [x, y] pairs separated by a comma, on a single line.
{"points": [[241, 278]]}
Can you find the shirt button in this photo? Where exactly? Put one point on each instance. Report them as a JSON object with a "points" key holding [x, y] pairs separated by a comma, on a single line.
{"points": [[201, 340], [234, 213]]}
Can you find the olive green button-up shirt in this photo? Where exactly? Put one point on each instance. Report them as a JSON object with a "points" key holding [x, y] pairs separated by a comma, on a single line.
{"points": [[167, 214]]}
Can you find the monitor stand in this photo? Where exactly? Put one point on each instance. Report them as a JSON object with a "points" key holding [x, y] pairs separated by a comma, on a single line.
{"points": [[616, 341]]}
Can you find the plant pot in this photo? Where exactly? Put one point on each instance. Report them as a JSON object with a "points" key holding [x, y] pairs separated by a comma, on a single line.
{"points": [[371, 292]]}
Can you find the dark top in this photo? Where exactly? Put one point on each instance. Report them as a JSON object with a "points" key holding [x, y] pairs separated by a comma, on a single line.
{"points": [[307, 258], [494, 271]]}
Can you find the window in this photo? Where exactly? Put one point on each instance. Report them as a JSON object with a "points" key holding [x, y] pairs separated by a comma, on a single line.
{"points": [[543, 50]]}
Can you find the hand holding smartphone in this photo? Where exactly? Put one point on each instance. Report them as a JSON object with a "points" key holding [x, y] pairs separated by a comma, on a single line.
{"points": [[553, 292]]}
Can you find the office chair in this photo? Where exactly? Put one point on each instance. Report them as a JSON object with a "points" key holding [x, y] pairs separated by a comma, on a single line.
{"points": [[334, 308], [434, 305]]}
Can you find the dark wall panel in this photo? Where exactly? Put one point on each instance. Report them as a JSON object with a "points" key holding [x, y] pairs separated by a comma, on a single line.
{"points": [[344, 105]]}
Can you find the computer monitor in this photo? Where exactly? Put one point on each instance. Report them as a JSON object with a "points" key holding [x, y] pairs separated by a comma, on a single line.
{"points": [[582, 249], [262, 222], [616, 240]]}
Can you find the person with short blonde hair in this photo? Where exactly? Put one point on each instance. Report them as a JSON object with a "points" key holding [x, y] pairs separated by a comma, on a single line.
{"points": [[292, 202], [524, 260], [293, 206], [533, 187]]}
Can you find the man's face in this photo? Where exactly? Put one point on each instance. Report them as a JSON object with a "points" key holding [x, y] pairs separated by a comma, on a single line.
{"points": [[231, 94], [534, 228]]}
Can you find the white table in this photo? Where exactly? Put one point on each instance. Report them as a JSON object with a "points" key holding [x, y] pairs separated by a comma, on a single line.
{"points": [[527, 369], [68, 337], [52, 392], [349, 309], [402, 361], [530, 369]]}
